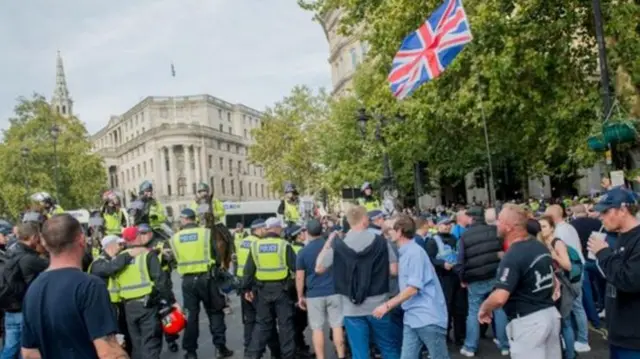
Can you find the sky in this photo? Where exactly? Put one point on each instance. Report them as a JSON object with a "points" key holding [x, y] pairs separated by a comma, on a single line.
{"points": [[118, 52]]}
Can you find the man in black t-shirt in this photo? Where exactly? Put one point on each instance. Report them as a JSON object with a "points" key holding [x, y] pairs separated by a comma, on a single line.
{"points": [[525, 288]]}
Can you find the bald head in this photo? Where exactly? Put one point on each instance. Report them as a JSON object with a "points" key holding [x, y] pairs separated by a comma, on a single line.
{"points": [[555, 212], [579, 210], [513, 216]]}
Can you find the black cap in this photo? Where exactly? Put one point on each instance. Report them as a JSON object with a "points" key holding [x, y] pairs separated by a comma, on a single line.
{"points": [[314, 227]]}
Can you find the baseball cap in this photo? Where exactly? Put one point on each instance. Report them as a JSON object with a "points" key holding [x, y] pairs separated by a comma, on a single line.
{"points": [[129, 234], [314, 227], [615, 198], [258, 223], [273, 222], [375, 214], [188, 213], [108, 240]]}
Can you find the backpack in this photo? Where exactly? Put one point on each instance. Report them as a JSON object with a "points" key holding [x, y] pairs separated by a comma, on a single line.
{"points": [[575, 274], [12, 283]]}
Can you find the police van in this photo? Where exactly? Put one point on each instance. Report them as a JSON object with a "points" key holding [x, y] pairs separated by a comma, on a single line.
{"points": [[82, 215], [247, 212]]}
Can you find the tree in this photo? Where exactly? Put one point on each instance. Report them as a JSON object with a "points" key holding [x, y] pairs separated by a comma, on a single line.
{"points": [[530, 73], [81, 175], [286, 145]]}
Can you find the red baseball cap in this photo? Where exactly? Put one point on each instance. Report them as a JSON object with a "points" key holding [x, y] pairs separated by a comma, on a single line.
{"points": [[129, 234]]}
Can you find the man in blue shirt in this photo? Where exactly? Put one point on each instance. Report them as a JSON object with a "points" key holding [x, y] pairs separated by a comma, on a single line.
{"points": [[421, 297], [321, 301]]}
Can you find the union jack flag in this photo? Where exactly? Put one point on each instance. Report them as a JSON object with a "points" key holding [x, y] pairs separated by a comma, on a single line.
{"points": [[426, 52]]}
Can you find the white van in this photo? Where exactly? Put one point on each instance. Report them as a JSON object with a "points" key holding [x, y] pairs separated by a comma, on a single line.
{"points": [[247, 212]]}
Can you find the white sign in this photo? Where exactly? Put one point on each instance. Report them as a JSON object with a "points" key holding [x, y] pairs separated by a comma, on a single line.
{"points": [[617, 178]]}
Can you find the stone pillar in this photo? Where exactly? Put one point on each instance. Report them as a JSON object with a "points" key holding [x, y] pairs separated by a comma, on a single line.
{"points": [[173, 171], [161, 170], [188, 158], [197, 151]]}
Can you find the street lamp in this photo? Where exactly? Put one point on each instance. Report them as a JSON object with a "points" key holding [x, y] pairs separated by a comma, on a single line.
{"points": [[55, 132], [388, 185], [24, 152]]}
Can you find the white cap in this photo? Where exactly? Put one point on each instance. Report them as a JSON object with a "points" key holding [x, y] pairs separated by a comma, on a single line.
{"points": [[108, 240], [273, 222]]}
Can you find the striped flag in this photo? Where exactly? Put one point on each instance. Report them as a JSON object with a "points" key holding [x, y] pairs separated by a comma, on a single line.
{"points": [[173, 70]]}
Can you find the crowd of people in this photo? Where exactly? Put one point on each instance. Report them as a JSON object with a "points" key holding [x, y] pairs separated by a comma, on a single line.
{"points": [[396, 286]]}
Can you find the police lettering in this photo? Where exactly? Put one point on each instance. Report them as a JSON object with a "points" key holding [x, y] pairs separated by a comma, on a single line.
{"points": [[268, 248], [188, 237], [245, 244]]}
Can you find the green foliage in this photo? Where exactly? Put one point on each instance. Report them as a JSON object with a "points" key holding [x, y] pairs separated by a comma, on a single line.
{"points": [[81, 175], [287, 143], [530, 72]]}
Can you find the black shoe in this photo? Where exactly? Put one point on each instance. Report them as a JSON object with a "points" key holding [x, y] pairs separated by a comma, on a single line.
{"points": [[224, 352], [173, 347], [191, 355]]}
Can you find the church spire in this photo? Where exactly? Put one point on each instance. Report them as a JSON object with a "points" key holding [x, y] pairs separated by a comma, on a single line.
{"points": [[61, 101]]}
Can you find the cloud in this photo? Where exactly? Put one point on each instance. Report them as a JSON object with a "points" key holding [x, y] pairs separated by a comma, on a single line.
{"points": [[243, 51]]}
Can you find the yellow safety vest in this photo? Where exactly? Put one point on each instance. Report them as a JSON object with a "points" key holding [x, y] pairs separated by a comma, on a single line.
{"points": [[160, 248], [95, 252], [270, 258], [192, 249], [291, 212], [112, 284], [157, 211], [112, 223], [370, 205], [134, 281], [238, 237], [217, 207], [297, 247], [243, 249]]}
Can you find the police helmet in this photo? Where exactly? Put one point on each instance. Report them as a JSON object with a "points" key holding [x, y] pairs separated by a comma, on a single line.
{"points": [[42, 197], [365, 186], [203, 187], [146, 186], [290, 188]]}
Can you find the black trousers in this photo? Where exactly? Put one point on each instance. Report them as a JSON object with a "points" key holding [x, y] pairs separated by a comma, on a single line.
{"points": [[144, 330], [123, 327], [273, 299], [300, 323], [203, 289], [249, 322], [456, 298]]}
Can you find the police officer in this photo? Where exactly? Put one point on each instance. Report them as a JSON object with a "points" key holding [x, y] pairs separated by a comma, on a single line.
{"points": [[194, 251], [293, 234], [368, 200], [157, 214], [115, 217], [290, 206], [217, 208], [106, 266], [239, 234], [167, 261], [248, 308], [143, 287], [268, 269], [47, 203]]}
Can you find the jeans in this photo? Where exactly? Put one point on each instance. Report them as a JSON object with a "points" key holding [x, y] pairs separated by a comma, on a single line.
{"points": [[579, 315], [569, 337], [359, 330], [588, 301], [478, 292], [432, 336], [598, 283], [12, 334], [622, 353]]}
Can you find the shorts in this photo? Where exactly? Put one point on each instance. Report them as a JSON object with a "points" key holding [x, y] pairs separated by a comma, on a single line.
{"points": [[325, 309]]}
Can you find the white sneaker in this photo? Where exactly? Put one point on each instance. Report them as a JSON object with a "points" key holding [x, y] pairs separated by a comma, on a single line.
{"points": [[602, 314], [582, 347], [504, 352], [467, 353]]}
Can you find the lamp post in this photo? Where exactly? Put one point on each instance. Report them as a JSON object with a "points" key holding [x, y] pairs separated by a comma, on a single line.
{"points": [[387, 185], [55, 132], [24, 152]]}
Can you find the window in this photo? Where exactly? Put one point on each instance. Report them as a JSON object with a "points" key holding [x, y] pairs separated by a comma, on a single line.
{"points": [[256, 190], [241, 189], [228, 116], [139, 172], [354, 58], [246, 134], [211, 180], [233, 188], [262, 190], [239, 166], [210, 161], [228, 147], [219, 145], [230, 166], [219, 114], [249, 187], [144, 168], [151, 165], [224, 189], [221, 163], [230, 129], [221, 128]]}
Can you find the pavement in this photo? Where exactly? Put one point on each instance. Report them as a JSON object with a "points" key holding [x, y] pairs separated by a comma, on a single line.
{"points": [[487, 350]]}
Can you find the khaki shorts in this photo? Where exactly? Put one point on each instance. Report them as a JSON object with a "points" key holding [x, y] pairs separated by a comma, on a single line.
{"points": [[323, 310]]}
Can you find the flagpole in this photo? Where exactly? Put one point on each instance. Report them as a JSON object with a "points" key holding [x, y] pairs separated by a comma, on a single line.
{"points": [[491, 193], [173, 74]]}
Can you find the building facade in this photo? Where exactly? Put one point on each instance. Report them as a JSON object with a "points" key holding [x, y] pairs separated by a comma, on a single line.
{"points": [[179, 142]]}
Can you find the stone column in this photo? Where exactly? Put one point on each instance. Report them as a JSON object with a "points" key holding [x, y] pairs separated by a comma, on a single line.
{"points": [[198, 159], [188, 157], [161, 170], [173, 171]]}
